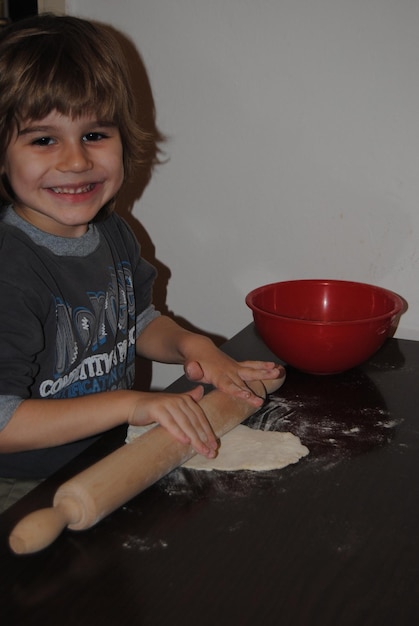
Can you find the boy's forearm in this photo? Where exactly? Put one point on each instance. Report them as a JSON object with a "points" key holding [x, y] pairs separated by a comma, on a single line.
{"points": [[165, 341], [44, 423]]}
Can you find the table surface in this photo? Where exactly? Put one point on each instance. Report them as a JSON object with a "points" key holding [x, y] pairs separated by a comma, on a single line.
{"points": [[332, 540]]}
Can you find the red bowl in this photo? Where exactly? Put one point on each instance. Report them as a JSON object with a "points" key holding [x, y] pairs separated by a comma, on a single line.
{"points": [[324, 326]]}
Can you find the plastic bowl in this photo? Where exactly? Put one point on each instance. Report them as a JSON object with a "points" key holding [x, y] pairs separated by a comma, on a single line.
{"points": [[324, 326]]}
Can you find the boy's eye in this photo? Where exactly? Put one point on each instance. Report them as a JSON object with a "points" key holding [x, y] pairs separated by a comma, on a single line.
{"points": [[94, 136], [42, 141]]}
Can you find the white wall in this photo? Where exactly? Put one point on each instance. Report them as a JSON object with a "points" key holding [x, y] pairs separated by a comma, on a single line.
{"points": [[294, 146], [55, 6]]}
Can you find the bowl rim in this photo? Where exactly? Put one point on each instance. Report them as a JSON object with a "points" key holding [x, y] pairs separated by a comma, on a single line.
{"points": [[398, 302]]}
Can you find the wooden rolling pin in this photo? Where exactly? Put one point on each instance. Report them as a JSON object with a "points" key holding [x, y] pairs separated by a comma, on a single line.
{"points": [[88, 497]]}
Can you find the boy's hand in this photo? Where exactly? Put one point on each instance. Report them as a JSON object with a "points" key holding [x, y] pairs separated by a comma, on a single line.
{"points": [[231, 376], [181, 415]]}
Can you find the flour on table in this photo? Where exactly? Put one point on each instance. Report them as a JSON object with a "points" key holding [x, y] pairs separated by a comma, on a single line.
{"points": [[244, 448]]}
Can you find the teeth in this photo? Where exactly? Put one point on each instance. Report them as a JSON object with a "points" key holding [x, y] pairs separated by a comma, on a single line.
{"points": [[72, 190]]}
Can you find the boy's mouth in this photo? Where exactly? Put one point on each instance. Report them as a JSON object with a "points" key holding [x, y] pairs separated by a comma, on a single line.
{"points": [[73, 190]]}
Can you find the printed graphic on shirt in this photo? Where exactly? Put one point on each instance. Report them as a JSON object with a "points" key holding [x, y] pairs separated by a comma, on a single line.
{"points": [[95, 344]]}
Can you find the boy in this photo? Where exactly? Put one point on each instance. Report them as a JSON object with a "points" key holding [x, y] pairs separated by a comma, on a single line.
{"points": [[76, 295]]}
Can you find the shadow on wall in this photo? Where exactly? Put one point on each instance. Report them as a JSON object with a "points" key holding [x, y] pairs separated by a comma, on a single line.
{"points": [[133, 190], [19, 9]]}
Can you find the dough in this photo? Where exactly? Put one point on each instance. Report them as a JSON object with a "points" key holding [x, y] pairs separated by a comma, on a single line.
{"points": [[245, 448]]}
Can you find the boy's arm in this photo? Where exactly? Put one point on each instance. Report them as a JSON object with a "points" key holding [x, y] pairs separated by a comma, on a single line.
{"points": [[165, 341], [39, 423]]}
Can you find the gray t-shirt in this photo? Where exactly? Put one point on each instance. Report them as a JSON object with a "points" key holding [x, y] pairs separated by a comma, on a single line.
{"points": [[70, 312]]}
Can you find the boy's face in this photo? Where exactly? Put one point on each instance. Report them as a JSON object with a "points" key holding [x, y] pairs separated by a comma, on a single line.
{"points": [[63, 171]]}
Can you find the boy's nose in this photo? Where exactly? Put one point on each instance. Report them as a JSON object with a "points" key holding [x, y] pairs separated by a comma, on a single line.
{"points": [[74, 158]]}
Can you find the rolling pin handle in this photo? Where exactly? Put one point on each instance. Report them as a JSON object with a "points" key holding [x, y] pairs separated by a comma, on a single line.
{"points": [[39, 529]]}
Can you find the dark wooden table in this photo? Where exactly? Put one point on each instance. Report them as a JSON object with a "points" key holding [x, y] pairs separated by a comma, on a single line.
{"points": [[332, 540]]}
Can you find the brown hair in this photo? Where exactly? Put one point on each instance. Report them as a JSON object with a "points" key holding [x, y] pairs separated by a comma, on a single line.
{"points": [[75, 67]]}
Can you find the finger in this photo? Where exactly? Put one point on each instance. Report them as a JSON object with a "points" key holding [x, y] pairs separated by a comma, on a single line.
{"points": [[197, 393], [259, 364], [199, 420], [237, 387], [194, 371], [188, 423], [248, 374]]}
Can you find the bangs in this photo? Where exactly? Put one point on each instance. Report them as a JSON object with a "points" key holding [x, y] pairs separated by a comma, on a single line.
{"points": [[67, 84], [67, 98]]}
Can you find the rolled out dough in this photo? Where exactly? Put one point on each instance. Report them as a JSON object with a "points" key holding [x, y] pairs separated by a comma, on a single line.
{"points": [[245, 448]]}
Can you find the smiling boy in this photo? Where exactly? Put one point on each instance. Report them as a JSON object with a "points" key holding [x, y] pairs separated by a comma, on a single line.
{"points": [[76, 304]]}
